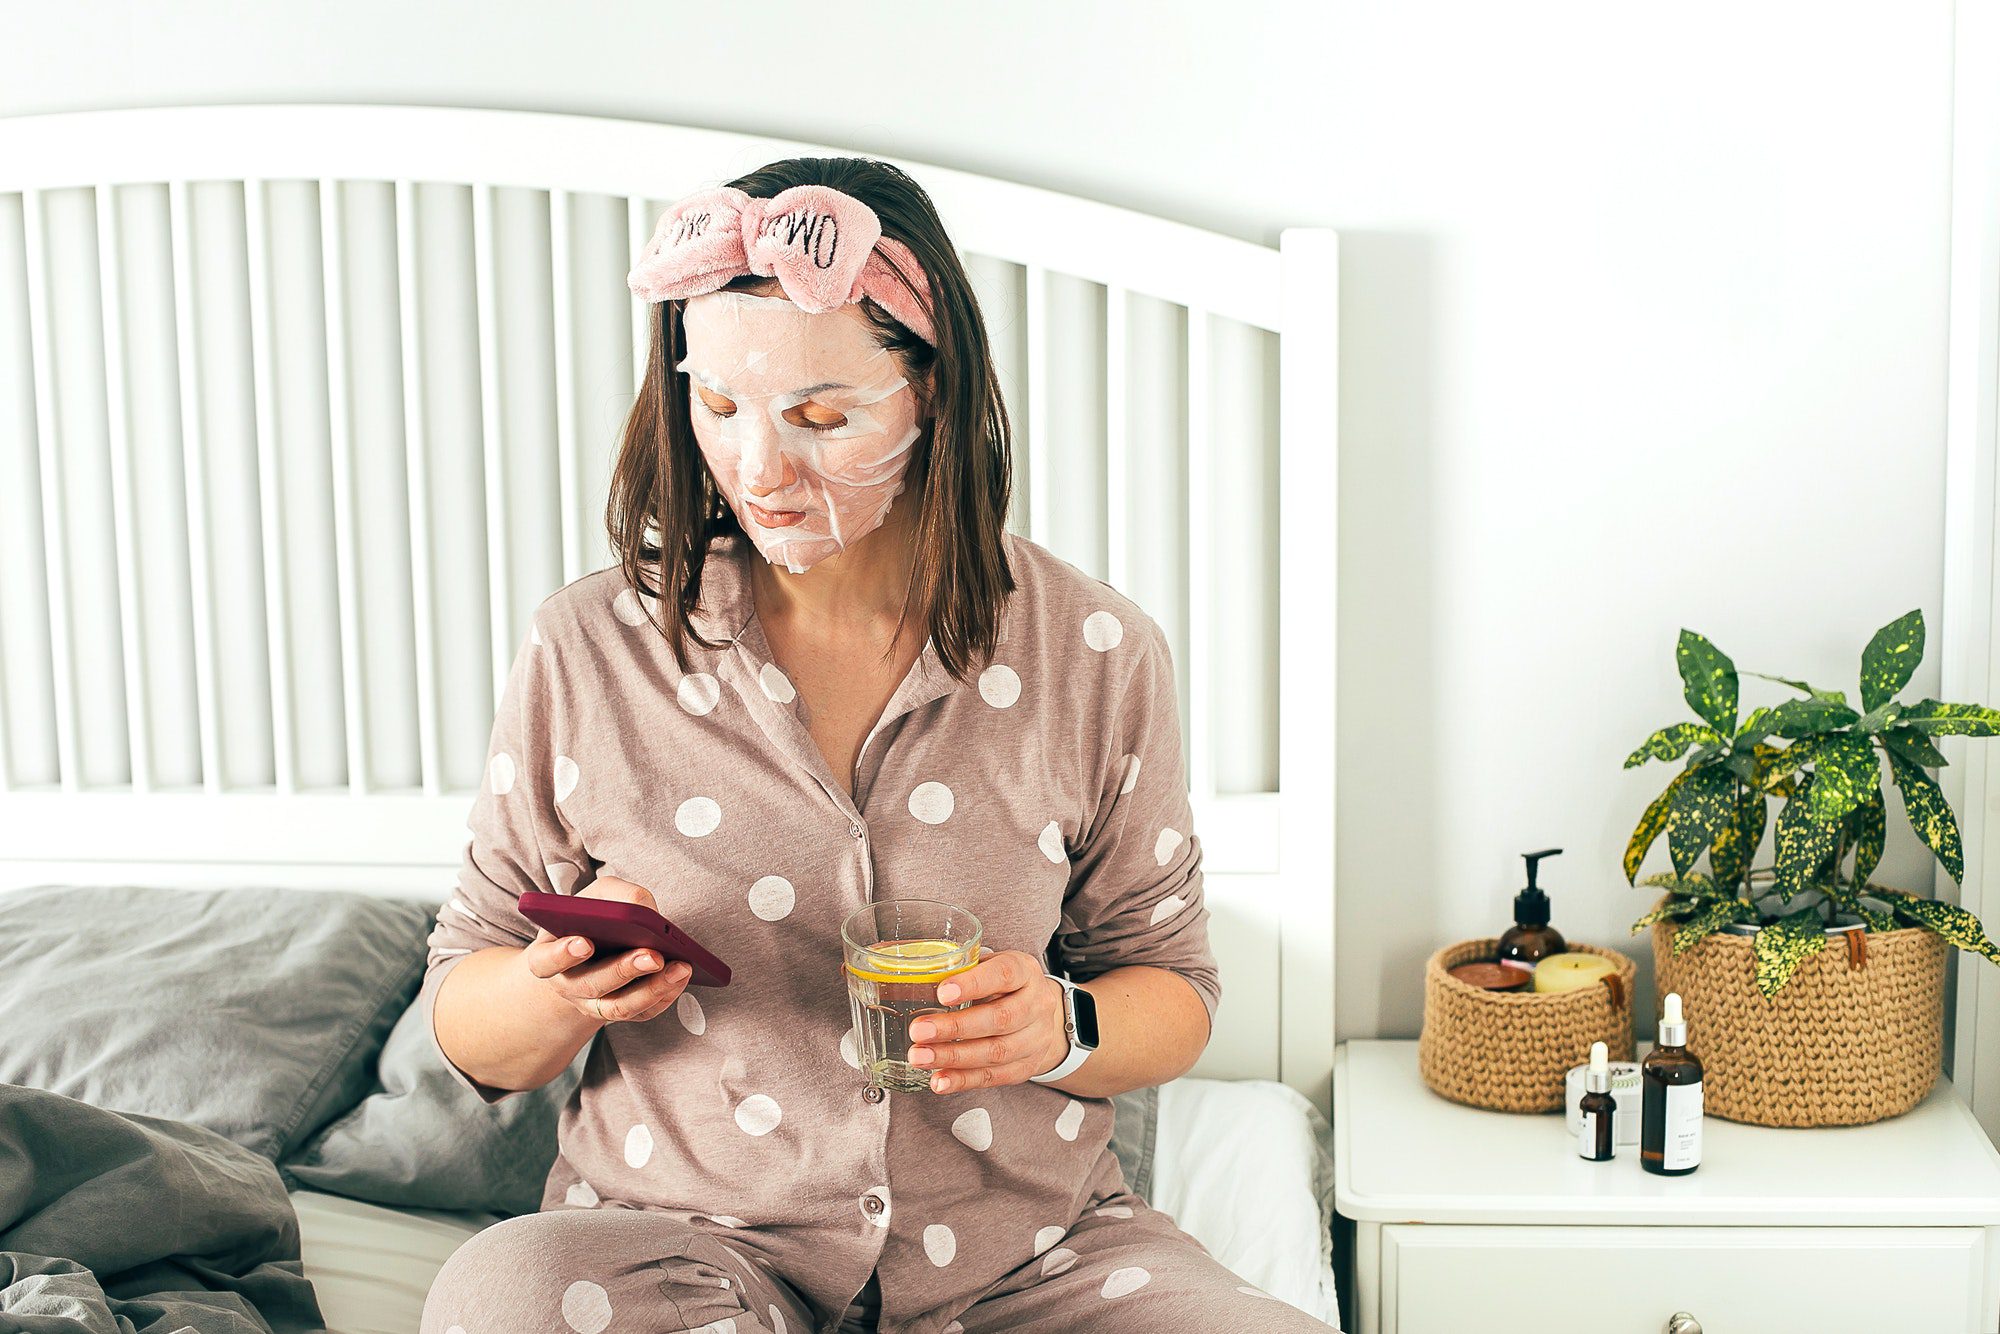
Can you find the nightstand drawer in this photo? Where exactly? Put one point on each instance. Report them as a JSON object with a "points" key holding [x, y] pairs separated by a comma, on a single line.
{"points": [[1629, 1280]]}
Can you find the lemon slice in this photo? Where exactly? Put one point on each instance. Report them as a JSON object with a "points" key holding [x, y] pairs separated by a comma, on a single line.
{"points": [[909, 961]]}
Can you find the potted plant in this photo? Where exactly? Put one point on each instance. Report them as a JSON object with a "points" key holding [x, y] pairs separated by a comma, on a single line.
{"points": [[1792, 1032]]}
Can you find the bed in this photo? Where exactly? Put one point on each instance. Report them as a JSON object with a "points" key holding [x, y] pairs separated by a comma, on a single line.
{"points": [[312, 404]]}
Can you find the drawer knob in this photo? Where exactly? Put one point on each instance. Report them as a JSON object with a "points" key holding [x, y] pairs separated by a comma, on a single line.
{"points": [[1680, 1322]]}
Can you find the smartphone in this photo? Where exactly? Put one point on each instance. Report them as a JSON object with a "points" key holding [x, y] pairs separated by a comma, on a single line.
{"points": [[624, 926]]}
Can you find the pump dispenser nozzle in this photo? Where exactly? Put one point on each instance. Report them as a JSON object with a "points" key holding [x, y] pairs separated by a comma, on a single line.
{"points": [[1531, 905]]}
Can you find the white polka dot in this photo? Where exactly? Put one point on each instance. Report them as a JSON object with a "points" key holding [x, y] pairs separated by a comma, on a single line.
{"points": [[456, 1329], [1164, 845], [882, 1219], [777, 1321], [726, 1325], [1048, 1236], [1102, 631], [1166, 908], [585, 1307], [688, 1010], [974, 1129], [1057, 1261], [940, 1244], [1252, 1292], [500, 773], [1129, 1279], [758, 1114], [931, 803], [638, 1145], [1051, 843], [772, 897], [849, 1051], [728, 1221], [1114, 1211], [534, 633], [566, 776], [776, 685], [562, 876], [954, 1328], [698, 693], [581, 1194], [627, 609], [698, 817], [1071, 1120], [1000, 686], [1131, 774]]}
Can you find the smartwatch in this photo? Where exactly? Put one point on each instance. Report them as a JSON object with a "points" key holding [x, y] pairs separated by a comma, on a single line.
{"points": [[1079, 1025]]}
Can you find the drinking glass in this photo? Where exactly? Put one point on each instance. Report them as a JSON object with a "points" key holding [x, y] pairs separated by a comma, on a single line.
{"points": [[897, 951]]}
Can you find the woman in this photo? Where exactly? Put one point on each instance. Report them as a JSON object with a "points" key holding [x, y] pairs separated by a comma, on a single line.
{"points": [[823, 675]]}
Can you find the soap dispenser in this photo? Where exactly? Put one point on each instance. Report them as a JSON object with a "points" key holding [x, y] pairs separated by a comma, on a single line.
{"points": [[1531, 938]]}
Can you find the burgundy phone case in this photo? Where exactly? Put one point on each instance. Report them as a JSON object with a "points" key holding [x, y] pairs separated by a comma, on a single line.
{"points": [[628, 926]]}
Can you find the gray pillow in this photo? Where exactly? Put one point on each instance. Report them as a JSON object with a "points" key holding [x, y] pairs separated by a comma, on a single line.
{"points": [[1134, 1129], [255, 1012], [424, 1140]]}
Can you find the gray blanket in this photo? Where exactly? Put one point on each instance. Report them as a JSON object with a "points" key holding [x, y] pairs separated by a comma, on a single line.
{"points": [[117, 1223]]}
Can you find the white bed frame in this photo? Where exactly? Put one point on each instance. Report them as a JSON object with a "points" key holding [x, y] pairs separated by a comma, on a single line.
{"points": [[233, 648]]}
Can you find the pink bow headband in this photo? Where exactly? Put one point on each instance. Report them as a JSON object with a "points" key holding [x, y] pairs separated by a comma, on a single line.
{"points": [[824, 247]]}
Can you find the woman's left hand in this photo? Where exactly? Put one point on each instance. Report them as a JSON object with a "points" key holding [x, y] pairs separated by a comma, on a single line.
{"points": [[1012, 1031]]}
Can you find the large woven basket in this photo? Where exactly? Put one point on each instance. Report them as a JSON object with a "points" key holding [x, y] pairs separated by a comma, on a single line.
{"points": [[1509, 1050], [1855, 1036]]}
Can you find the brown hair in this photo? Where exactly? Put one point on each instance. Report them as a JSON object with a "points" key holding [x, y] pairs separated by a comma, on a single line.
{"points": [[664, 509]]}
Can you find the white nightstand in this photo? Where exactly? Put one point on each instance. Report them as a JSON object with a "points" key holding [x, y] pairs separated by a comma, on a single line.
{"points": [[1473, 1220]]}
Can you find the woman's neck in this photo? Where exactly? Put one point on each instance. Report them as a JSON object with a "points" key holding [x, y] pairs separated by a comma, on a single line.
{"points": [[862, 586]]}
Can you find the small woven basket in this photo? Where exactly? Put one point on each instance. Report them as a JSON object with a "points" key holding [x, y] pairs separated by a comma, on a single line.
{"points": [[1509, 1050], [1856, 1035]]}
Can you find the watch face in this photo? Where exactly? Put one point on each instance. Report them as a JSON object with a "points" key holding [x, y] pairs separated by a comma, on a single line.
{"points": [[1086, 1018]]}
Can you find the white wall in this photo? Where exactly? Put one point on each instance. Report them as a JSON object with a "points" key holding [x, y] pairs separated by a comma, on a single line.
{"points": [[1643, 321]]}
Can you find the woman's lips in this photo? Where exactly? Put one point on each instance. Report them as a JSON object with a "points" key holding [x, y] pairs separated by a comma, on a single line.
{"points": [[773, 518]]}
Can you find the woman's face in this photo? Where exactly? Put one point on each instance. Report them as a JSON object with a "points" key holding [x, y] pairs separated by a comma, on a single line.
{"points": [[806, 423]]}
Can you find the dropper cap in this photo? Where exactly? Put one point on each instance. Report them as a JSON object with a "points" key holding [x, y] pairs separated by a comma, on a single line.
{"points": [[1598, 1080], [1531, 905], [1673, 1028]]}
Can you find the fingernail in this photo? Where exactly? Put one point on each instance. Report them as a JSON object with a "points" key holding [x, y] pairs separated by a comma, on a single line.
{"points": [[923, 1032], [920, 1056], [646, 963], [948, 993], [683, 971], [579, 947], [939, 1084]]}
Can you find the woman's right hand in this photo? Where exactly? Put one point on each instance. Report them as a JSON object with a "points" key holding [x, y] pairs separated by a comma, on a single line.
{"points": [[626, 987]]}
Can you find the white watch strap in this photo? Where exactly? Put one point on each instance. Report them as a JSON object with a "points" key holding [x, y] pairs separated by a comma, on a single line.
{"points": [[1077, 1055]]}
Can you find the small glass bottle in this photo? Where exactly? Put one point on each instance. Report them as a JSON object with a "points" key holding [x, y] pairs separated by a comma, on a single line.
{"points": [[1594, 1140], [1531, 939], [1670, 1121]]}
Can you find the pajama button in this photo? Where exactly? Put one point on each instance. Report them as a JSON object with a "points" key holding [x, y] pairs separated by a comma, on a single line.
{"points": [[871, 1094], [855, 830], [871, 1203]]}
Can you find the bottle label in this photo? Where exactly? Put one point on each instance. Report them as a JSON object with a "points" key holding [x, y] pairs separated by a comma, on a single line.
{"points": [[1521, 964], [1586, 1138], [1680, 1146]]}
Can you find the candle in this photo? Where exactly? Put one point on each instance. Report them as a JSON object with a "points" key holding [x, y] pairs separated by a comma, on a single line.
{"points": [[1569, 972]]}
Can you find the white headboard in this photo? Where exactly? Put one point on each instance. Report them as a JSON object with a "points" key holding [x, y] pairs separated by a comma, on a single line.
{"points": [[305, 408]]}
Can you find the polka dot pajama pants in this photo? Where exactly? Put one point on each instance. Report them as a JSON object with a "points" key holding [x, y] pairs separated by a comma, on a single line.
{"points": [[632, 1271]]}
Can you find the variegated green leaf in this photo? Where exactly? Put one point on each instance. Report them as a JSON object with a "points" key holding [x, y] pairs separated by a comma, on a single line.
{"points": [[1709, 920], [1936, 719], [1809, 717], [1708, 679], [1650, 825], [1755, 728], [1670, 743], [1803, 844], [1736, 845], [1784, 945], [1891, 658], [1835, 696], [1695, 884], [1866, 829], [1850, 900], [1914, 747], [1879, 719], [1847, 771], [1671, 909], [1949, 920], [1779, 764], [1700, 809], [1930, 815]]}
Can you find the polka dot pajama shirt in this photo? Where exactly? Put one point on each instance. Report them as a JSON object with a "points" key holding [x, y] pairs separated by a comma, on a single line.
{"points": [[724, 1166]]}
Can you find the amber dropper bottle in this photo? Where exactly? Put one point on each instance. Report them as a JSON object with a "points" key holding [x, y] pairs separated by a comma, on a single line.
{"points": [[1670, 1080]]}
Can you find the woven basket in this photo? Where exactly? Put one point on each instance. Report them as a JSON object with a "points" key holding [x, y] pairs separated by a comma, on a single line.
{"points": [[1509, 1050], [1857, 1035]]}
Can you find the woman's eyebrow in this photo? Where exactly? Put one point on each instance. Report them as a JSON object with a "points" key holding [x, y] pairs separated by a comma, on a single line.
{"points": [[715, 383]]}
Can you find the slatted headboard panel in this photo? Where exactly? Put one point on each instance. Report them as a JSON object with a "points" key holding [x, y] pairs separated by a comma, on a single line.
{"points": [[305, 408]]}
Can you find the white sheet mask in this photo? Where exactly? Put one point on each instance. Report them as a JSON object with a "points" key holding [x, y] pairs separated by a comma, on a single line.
{"points": [[762, 354]]}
